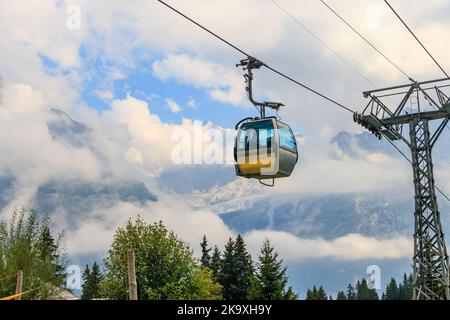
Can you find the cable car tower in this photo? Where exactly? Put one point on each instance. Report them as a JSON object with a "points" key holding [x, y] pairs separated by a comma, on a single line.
{"points": [[425, 111]]}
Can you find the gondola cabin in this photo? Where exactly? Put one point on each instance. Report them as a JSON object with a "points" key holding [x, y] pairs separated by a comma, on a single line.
{"points": [[264, 149]]}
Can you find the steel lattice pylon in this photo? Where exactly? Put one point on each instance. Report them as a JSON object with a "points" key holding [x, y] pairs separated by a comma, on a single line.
{"points": [[430, 260], [430, 264]]}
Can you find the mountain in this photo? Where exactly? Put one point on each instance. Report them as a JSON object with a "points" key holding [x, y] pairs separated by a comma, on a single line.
{"points": [[244, 205], [79, 197], [72, 195], [63, 127]]}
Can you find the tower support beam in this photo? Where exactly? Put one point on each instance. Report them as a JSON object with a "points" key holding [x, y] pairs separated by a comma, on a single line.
{"points": [[430, 261]]}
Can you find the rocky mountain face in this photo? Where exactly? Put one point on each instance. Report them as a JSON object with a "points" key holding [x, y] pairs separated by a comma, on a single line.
{"points": [[244, 206]]}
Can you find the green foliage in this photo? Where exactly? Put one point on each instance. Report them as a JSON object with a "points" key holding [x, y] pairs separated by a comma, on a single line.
{"points": [[271, 278], [236, 276], [315, 294], [205, 287], [351, 295], [341, 296], [392, 292], [165, 266], [26, 244], [364, 292], [205, 260], [404, 291], [216, 263], [91, 282]]}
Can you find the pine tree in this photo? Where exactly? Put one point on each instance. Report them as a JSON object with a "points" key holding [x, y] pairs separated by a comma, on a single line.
{"points": [[48, 250], [290, 294], [410, 287], [316, 294], [205, 260], [363, 291], [86, 290], [405, 289], [271, 278], [96, 278], [216, 263], [311, 294], [392, 291], [91, 282], [227, 271], [351, 295], [341, 296], [243, 270], [321, 294]]}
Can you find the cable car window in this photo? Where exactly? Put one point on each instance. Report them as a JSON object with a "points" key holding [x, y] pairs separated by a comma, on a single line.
{"points": [[287, 138], [253, 134]]}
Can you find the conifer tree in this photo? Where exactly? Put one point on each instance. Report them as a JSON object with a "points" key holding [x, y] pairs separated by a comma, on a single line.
{"points": [[406, 288], [48, 250], [271, 278], [290, 294], [351, 295], [205, 260], [226, 274], [321, 294], [216, 263], [341, 296], [311, 294], [364, 292], [392, 291], [243, 270], [86, 291], [316, 294], [91, 282]]}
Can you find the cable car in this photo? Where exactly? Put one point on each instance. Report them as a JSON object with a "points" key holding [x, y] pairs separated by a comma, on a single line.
{"points": [[265, 147]]}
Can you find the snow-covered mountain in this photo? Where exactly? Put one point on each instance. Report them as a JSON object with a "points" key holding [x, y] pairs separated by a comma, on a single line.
{"points": [[244, 205]]}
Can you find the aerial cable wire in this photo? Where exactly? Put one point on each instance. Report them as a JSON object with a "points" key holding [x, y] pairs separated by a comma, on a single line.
{"points": [[323, 43], [250, 56], [409, 160], [415, 37], [367, 41], [420, 42]]}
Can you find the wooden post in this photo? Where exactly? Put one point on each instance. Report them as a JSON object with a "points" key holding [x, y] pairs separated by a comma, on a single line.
{"points": [[19, 283], [132, 283]]}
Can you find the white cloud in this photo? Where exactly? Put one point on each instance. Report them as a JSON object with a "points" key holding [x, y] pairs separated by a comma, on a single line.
{"points": [[349, 247], [95, 234], [173, 105], [105, 95], [192, 104], [323, 168], [223, 85]]}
